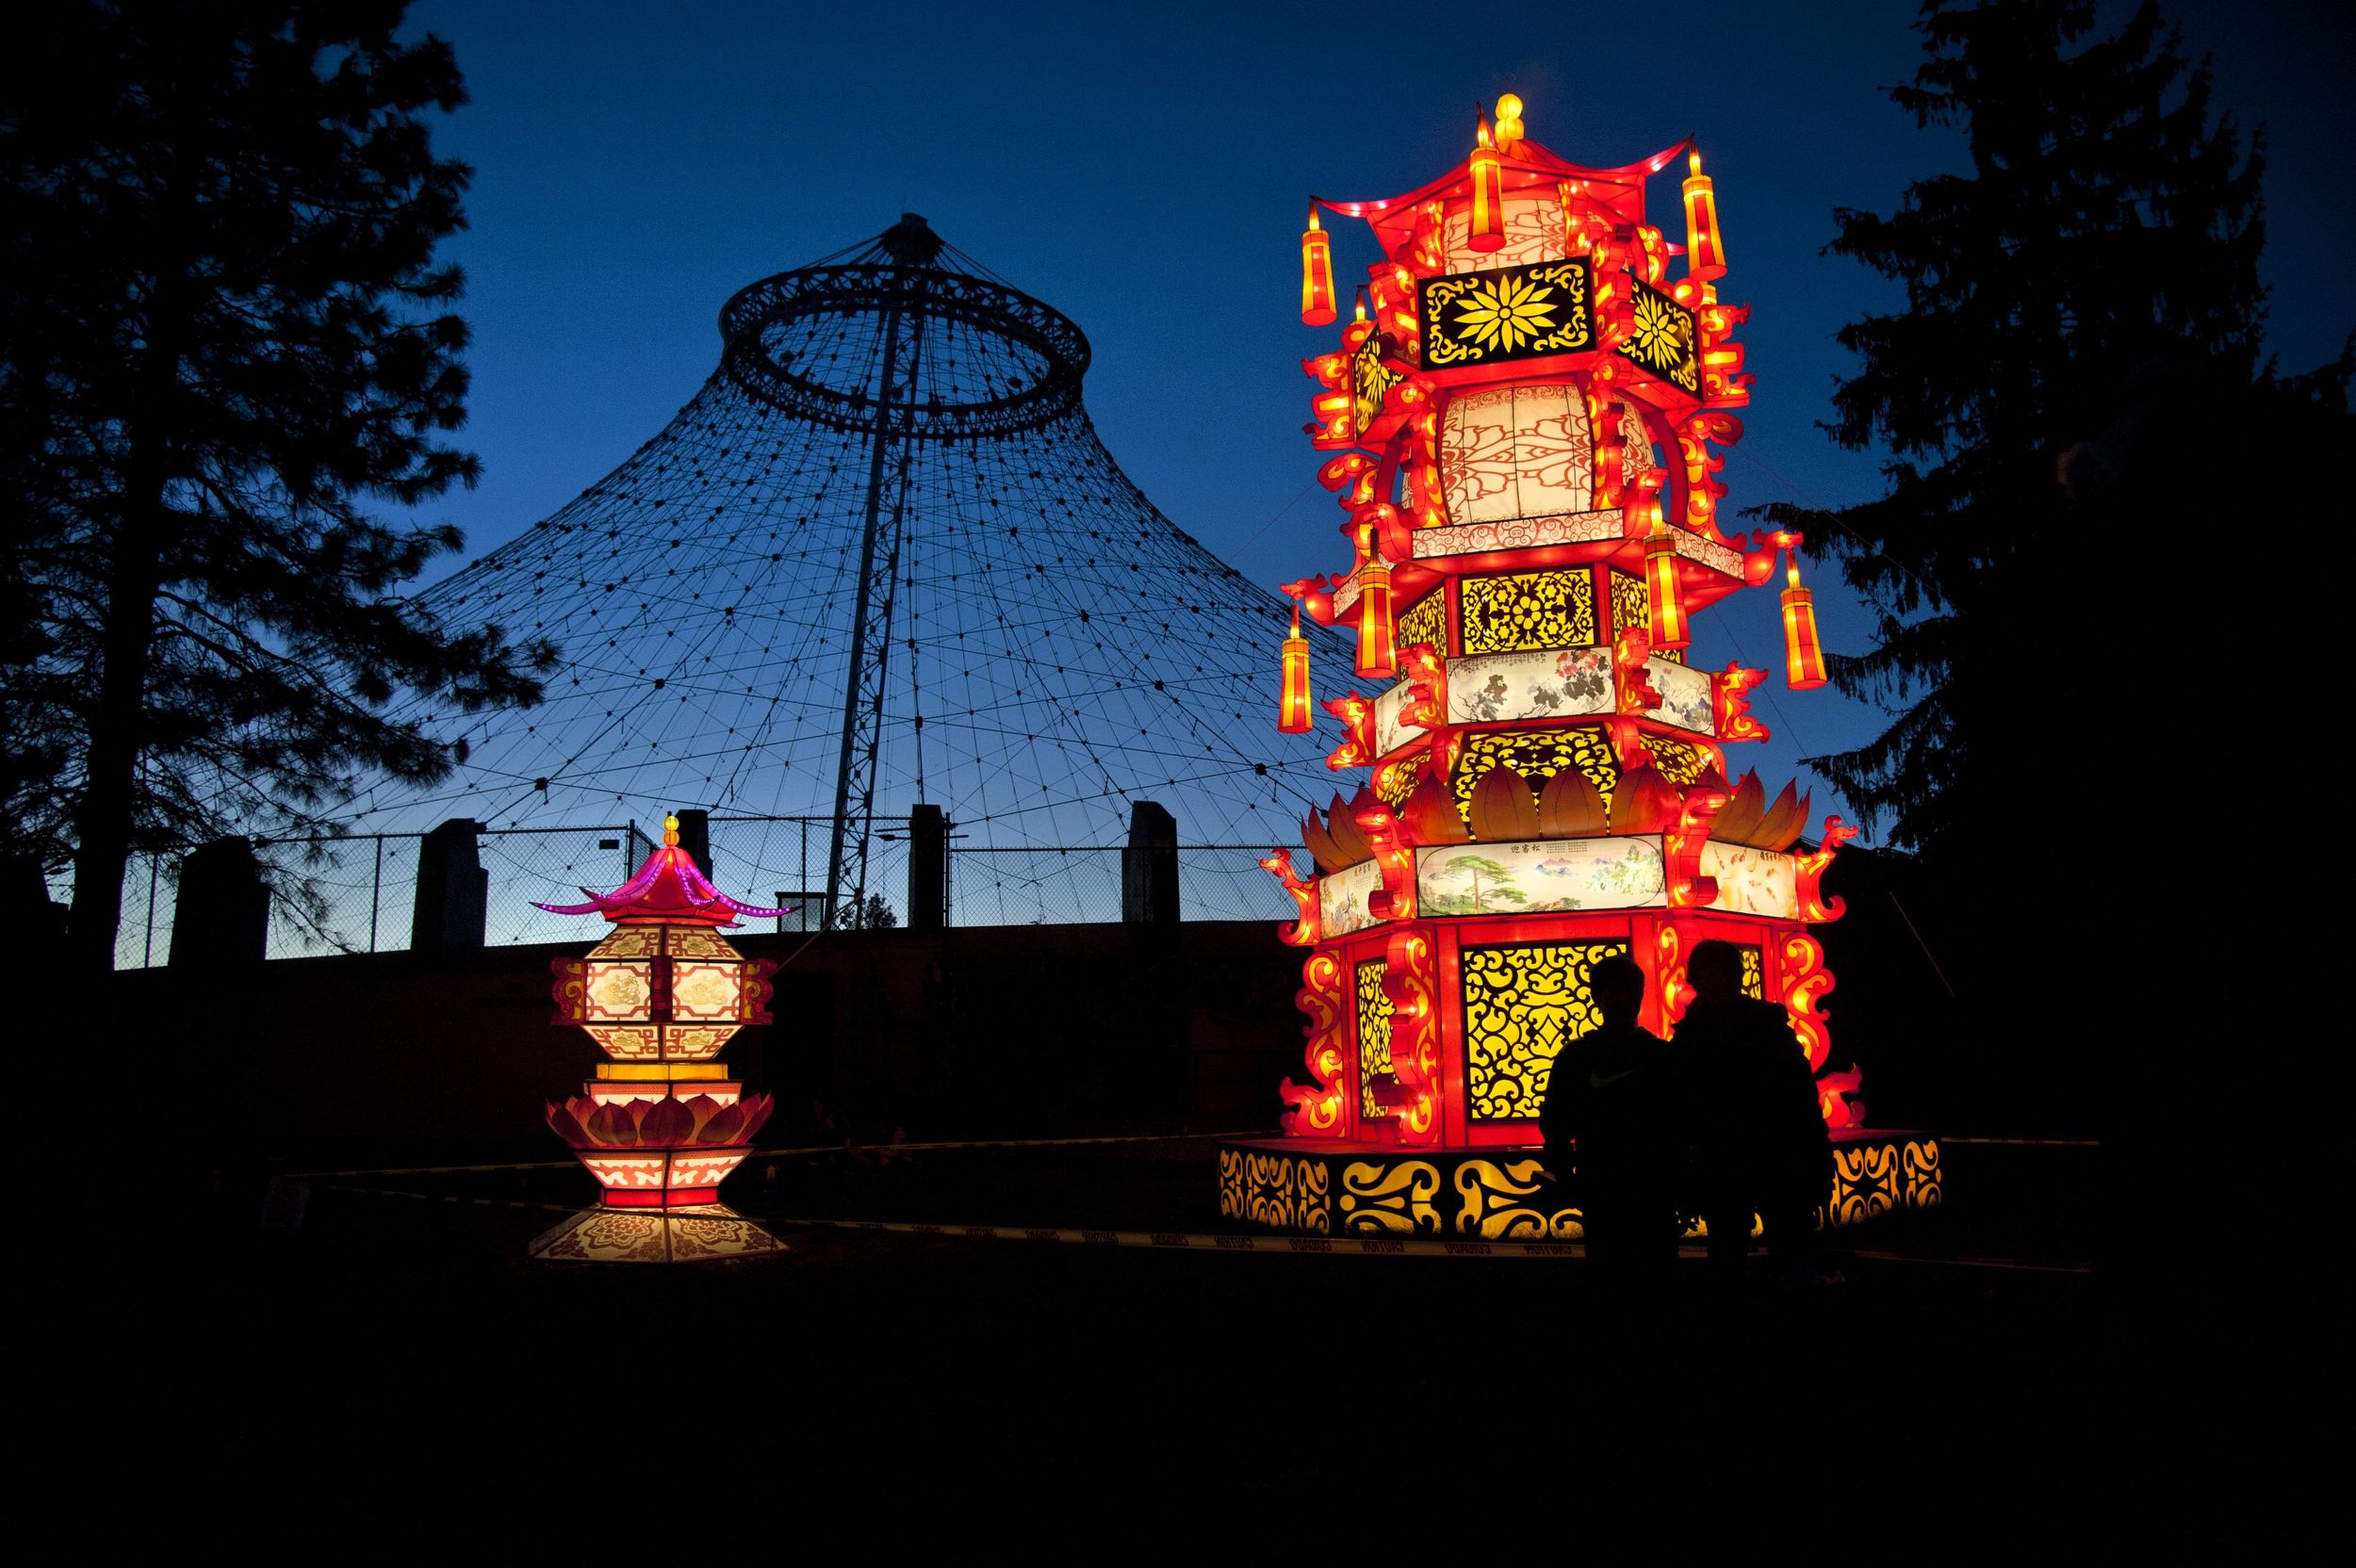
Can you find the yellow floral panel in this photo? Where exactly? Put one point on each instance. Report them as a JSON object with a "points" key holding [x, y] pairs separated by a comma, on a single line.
{"points": [[1374, 1036], [1528, 610]]}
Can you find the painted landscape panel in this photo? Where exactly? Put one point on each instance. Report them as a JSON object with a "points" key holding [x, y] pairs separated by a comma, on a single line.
{"points": [[1540, 875], [1342, 899], [1752, 881]]}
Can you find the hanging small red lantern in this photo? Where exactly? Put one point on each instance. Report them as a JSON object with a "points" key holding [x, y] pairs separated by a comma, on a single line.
{"points": [[1488, 193], [1378, 651], [1668, 629], [1293, 717], [1705, 253], [1317, 273], [1803, 655]]}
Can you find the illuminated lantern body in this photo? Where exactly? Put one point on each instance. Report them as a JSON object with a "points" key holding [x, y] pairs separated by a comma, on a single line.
{"points": [[1705, 253], [1803, 655], [1316, 274], [1378, 636], [1548, 782], [1662, 587], [662, 1124], [1294, 717]]}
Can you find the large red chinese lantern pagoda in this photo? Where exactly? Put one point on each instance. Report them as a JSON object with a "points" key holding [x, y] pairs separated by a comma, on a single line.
{"points": [[1527, 413]]}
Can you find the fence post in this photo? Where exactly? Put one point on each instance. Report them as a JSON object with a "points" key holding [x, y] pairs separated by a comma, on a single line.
{"points": [[928, 869], [223, 914], [1148, 867], [695, 836], [453, 890]]}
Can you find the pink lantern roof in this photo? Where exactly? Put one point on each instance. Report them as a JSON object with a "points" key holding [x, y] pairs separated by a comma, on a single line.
{"points": [[668, 889]]}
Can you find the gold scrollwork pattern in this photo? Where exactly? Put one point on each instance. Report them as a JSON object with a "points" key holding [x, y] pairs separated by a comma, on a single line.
{"points": [[1394, 1200], [1754, 972], [1680, 761], [1528, 610], [1522, 1005], [1537, 755], [1864, 1182], [1500, 1202], [1919, 1165], [1232, 1203], [1426, 621], [1374, 1036], [1285, 1193], [1395, 781]]}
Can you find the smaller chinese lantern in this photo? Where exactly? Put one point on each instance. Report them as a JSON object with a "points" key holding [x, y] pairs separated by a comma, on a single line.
{"points": [[1293, 717], [662, 1124], [1317, 273], [1803, 655], [1378, 646], [1705, 253], [1668, 629], [1488, 191]]}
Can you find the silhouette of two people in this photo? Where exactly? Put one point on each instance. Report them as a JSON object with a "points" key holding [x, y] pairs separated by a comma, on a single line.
{"points": [[1722, 1123]]}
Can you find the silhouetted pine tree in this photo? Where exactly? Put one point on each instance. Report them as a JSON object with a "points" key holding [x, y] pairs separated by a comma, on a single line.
{"points": [[226, 339], [2079, 418]]}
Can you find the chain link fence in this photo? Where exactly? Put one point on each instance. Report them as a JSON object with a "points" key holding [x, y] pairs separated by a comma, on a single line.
{"points": [[358, 894]]}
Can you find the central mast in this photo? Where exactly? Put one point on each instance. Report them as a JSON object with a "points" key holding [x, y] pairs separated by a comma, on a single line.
{"points": [[912, 248]]}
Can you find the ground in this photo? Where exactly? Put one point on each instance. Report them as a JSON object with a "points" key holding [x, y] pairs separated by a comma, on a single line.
{"points": [[399, 1353]]}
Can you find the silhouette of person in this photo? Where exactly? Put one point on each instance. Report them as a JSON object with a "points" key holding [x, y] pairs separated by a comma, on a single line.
{"points": [[1758, 1138], [1610, 1116]]}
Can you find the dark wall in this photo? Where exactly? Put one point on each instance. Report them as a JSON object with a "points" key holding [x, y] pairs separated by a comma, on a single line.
{"points": [[1029, 1030]]}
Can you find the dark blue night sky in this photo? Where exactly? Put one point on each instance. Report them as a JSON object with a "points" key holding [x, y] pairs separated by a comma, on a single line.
{"points": [[1143, 169]]}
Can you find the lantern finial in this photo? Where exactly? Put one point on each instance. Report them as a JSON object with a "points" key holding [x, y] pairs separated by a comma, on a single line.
{"points": [[670, 831]]}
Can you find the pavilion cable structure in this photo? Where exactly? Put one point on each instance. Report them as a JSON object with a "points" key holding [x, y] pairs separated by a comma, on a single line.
{"points": [[881, 558]]}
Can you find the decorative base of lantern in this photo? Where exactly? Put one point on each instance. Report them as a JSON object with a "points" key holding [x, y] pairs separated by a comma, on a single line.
{"points": [[661, 1178], [677, 1198], [706, 1233], [1327, 1188]]}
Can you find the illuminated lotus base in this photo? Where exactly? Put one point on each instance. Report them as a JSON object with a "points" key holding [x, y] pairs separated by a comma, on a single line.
{"points": [[659, 1178], [1329, 1187], [706, 1232]]}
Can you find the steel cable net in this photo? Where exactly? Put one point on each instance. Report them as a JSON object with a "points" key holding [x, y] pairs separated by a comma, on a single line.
{"points": [[1042, 647]]}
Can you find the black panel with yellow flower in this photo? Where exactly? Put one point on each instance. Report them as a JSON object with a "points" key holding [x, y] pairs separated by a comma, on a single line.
{"points": [[1661, 338], [1370, 380], [1522, 1006], [1512, 313]]}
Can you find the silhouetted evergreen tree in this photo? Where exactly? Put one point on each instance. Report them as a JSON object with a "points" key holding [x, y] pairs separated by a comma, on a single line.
{"points": [[226, 337], [2079, 415]]}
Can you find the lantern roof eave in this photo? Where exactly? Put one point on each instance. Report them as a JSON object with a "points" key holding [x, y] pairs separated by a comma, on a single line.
{"points": [[668, 889], [1619, 191]]}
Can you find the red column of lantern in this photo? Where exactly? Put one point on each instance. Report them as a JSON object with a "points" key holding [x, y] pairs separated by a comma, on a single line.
{"points": [[1488, 193], [1293, 717], [1705, 253], [1669, 630], [1317, 273], [1803, 655]]}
